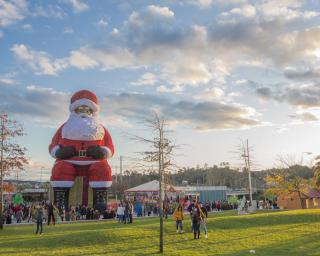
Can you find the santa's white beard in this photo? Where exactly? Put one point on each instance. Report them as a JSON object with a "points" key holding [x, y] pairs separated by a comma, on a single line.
{"points": [[79, 128]]}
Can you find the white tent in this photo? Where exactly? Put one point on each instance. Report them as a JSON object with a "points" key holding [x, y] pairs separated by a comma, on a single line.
{"points": [[151, 186], [149, 191]]}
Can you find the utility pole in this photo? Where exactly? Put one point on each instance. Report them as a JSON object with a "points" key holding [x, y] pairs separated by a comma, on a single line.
{"points": [[1, 173], [121, 157], [41, 174], [116, 174], [249, 172]]}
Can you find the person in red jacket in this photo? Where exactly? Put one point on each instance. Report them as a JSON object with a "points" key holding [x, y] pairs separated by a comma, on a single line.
{"points": [[82, 141]]}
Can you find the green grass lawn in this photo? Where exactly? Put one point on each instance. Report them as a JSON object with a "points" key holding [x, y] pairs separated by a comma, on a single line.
{"points": [[267, 233]]}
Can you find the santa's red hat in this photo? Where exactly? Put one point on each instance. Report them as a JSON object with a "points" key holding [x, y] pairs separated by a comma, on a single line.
{"points": [[84, 98]]}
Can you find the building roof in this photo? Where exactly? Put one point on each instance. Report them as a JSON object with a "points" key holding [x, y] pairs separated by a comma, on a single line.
{"points": [[313, 193], [151, 186], [199, 188], [34, 190]]}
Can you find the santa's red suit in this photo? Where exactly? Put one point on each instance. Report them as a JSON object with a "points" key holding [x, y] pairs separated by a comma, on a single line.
{"points": [[82, 133]]}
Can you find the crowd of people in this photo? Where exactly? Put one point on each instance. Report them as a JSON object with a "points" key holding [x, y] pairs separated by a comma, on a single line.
{"points": [[198, 216], [27, 212], [125, 212], [46, 212]]}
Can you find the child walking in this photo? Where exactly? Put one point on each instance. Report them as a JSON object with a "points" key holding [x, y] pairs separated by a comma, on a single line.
{"points": [[178, 215]]}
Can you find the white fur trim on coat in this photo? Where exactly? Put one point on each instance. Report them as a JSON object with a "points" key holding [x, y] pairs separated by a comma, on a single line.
{"points": [[61, 184], [100, 184], [84, 102], [109, 152], [54, 150], [81, 162]]}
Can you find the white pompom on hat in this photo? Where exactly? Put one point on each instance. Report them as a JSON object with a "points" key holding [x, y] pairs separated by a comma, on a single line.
{"points": [[84, 98]]}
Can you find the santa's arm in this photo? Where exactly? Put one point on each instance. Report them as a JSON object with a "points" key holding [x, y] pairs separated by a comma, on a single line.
{"points": [[108, 145], [54, 146]]}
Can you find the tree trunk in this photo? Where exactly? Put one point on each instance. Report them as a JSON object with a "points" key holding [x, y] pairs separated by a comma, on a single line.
{"points": [[160, 190], [300, 198]]}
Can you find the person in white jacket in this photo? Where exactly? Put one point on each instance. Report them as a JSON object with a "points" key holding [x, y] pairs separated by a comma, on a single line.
{"points": [[120, 213]]}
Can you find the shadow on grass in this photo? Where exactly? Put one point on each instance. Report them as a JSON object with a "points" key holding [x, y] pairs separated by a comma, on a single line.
{"points": [[262, 220], [306, 245]]}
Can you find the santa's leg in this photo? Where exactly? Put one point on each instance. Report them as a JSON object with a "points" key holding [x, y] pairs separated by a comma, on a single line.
{"points": [[100, 178], [62, 179], [100, 175]]}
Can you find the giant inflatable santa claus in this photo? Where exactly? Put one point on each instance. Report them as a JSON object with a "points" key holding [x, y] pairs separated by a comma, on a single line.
{"points": [[81, 147]]}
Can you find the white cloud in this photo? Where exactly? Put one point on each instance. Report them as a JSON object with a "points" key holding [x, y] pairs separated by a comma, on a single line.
{"points": [[68, 30], [267, 11], [7, 81], [48, 106], [241, 82], [305, 117], [102, 23], [112, 58], [202, 3], [210, 94], [160, 11], [84, 58], [146, 79], [282, 129], [180, 72], [150, 18], [202, 116], [39, 61], [115, 32], [48, 11], [166, 89], [27, 27], [248, 11], [82, 61], [44, 106], [302, 96], [286, 10], [209, 3], [12, 11], [77, 5]]}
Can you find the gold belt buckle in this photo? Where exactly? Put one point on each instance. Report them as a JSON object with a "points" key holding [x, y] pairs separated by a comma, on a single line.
{"points": [[82, 153]]}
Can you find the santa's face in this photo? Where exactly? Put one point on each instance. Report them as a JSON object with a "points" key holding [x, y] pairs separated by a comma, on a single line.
{"points": [[84, 111], [83, 124]]}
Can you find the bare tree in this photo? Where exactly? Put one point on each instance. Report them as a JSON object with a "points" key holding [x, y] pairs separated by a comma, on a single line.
{"points": [[244, 153], [161, 152], [12, 155]]}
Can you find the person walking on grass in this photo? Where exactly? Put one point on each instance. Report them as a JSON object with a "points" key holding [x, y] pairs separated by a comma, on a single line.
{"points": [[51, 211], [39, 218], [179, 215], [204, 219], [190, 210], [197, 216]]}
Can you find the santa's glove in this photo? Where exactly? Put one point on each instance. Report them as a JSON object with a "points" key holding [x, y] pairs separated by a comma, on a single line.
{"points": [[97, 152], [65, 152]]}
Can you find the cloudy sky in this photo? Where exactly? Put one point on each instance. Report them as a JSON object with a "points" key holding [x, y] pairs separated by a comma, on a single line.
{"points": [[218, 70]]}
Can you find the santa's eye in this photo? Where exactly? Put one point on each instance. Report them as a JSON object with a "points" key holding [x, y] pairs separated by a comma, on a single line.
{"points": [[84, 109]]}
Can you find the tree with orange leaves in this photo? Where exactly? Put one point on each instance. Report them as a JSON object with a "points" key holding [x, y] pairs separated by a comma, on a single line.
{"points": [[12, 155]]}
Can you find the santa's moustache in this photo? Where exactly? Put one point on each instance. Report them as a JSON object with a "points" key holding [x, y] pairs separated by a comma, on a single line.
{"points": [[83, 128]]}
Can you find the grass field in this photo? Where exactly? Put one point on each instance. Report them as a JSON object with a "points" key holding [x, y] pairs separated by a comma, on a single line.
{"points": [[267, 233]]}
